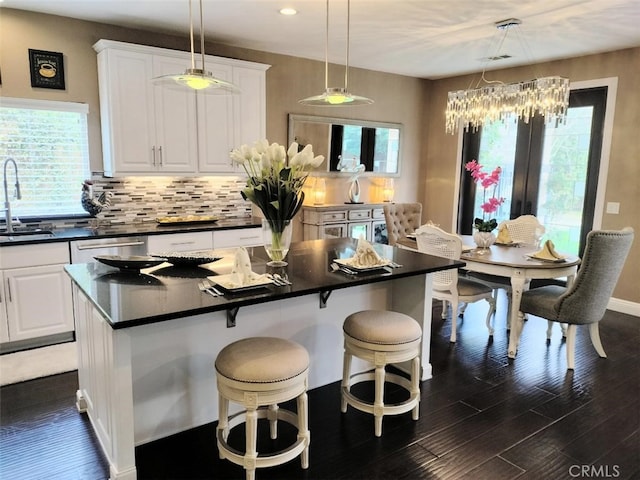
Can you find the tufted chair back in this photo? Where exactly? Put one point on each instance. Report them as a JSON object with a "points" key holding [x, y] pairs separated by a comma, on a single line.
{"points": [[402, 219]]}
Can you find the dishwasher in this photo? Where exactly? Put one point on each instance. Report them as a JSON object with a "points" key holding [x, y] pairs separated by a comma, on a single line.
{"points": [[83, 251]]}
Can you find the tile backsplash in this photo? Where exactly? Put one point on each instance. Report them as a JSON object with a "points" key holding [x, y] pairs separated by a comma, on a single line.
{"points": [[142, 199]]}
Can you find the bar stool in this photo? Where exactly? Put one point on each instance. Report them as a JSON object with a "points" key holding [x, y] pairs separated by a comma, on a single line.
{"points": [[259, 373], [382, 338]]}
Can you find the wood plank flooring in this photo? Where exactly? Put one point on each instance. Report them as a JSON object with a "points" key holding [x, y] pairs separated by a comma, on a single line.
{"points": [[482, 417]]}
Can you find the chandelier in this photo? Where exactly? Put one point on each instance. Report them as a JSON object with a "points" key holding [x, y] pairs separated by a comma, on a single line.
{"points": [[198, 79], [335, 96], [546, 96]]}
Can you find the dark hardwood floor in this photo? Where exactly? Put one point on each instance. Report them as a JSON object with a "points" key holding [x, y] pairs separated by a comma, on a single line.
{"points": [[482, 417]]}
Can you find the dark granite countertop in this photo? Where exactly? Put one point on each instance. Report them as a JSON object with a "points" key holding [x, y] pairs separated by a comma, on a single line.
{"points": [[165, 292], [125, 230]]}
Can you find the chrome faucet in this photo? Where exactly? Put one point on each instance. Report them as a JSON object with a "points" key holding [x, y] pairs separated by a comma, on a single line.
{"points": [[7, 203]]}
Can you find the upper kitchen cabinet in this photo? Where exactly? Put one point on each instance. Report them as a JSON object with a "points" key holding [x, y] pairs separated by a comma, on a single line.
{"points": [[150, 130]]}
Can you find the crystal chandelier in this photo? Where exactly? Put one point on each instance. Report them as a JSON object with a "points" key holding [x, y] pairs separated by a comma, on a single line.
{"points": [[546, 96]]}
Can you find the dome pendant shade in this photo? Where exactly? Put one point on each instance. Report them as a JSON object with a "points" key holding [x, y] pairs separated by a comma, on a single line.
{"points": [[336, 96], [196, 79]]}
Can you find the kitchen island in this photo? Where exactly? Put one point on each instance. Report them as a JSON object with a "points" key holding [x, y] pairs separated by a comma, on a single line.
{"points": [[147, 342]]}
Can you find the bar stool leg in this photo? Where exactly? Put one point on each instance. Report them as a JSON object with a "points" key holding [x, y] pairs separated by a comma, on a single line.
{"points": [[303, 428], [415, 386], [378, 405], [251, 453], [346, 373], [223, 418], [272, 415]]}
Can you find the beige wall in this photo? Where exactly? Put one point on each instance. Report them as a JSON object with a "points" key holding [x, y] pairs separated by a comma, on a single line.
{"points": [[428, 154]]}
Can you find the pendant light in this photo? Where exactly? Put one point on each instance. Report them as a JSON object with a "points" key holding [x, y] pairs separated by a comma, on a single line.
{"points": [[336, 96], [197, 79]]}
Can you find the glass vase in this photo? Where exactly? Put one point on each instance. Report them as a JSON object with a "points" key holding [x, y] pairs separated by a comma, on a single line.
{"points": [[276, 242], [483, 241]]}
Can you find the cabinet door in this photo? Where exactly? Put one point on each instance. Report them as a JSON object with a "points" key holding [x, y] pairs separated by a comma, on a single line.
{"points": [[215, 127], [38, 301], [176, 144], [336, 230], [4, 328], [360, 229], [249, 107], [127, 111]]}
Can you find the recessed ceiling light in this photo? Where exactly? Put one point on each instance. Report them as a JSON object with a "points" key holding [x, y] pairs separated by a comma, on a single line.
{"points": [[288, 11]]}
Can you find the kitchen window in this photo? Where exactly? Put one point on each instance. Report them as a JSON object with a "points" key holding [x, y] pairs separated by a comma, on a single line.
{"points": [[49, 142]]}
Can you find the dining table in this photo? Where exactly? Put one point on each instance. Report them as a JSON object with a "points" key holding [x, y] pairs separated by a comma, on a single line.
{"points": [[513, 261]]}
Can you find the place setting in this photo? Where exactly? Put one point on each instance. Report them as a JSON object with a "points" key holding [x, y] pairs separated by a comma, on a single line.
{"points": [[547, 253], [242, 278], [365, 261]]}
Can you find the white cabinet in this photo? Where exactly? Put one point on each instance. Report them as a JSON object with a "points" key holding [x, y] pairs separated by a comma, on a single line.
{"points": [[240, 237], [153, 130], [145, 129], [36, 292], [180, 242]]}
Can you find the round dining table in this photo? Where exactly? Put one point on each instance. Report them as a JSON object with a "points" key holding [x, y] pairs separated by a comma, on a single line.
{"points": [[514, 262]]}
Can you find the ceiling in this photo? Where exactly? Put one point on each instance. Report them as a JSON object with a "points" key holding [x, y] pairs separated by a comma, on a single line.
{"points": [[419, 38]]}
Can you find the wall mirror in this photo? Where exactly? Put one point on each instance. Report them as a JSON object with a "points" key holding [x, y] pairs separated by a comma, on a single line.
{"points": [[347, 143]]}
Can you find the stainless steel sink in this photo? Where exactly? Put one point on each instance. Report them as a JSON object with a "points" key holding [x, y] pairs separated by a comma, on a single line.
{"points": [[35, 234]]}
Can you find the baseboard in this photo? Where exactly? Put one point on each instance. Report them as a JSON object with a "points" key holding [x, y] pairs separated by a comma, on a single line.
{"points": [[38, 362], [624, 306]]}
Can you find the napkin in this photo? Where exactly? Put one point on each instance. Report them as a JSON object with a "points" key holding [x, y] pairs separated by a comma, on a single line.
{"points": [[366, 256], [548, 252], [503, 235], [241, 273]]}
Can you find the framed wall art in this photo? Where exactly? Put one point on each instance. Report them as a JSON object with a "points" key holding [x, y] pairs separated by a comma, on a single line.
{"points": [[47, 69]]}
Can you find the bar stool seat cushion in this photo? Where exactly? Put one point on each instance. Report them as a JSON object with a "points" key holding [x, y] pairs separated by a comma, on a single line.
{"points": [[382, 327], [262, 360]]}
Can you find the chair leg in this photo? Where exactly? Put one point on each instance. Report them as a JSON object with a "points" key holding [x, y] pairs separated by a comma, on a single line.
{"points": [[444, 309], [346, 372], [594, 333], [549, 329], [571, 346], [454, 320], [492, 309]]}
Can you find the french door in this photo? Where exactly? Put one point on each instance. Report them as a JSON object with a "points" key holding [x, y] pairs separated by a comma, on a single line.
{"points": [[550, 172]]}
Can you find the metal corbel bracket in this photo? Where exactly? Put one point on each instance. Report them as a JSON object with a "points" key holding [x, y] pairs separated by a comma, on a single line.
{"points": [[324, 296], [231, 316]]}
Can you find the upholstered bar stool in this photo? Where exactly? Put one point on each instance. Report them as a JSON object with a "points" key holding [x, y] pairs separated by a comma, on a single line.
{"points": [[382, 338], [259, 373]]}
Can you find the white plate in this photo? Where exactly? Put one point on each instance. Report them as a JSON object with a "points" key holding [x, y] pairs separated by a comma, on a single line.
{"points": [[467, 248], [347, 262], [226, 283]]}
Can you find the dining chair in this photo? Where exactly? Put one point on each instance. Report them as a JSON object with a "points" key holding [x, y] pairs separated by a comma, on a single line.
{"points": [[402, 219], [584, 302], [447, 285], [525, 229]]}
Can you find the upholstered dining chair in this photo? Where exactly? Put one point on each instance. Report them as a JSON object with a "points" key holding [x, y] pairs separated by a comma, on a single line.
{"points": [[585, 301], [402, 219], [525, 229], [447, 286]]}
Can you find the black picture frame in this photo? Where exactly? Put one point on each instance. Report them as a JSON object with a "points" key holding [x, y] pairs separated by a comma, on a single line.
{"points": [[47, 69]]}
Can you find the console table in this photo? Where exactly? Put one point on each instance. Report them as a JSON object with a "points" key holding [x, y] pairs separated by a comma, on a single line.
{"points": [[344, 220]]}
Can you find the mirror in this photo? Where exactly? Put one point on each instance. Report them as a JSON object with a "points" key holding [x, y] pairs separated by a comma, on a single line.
{"points": [[349, 145]]}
